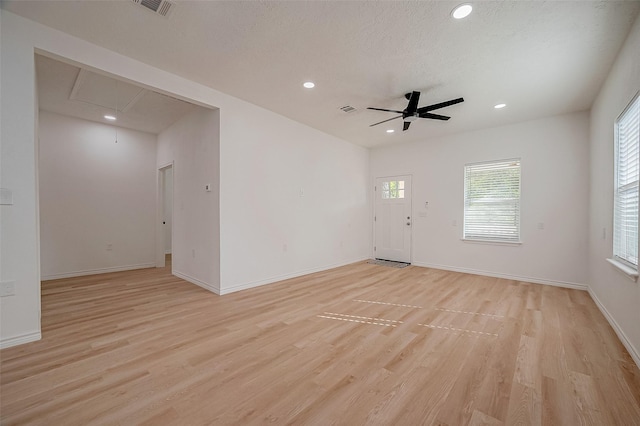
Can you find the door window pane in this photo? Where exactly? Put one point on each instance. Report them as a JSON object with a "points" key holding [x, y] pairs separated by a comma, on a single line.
{"points": [[393, 189]]}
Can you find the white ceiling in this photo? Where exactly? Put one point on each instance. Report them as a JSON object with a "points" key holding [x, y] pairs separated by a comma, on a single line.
{"points": [[541, 58], [68, 90]]}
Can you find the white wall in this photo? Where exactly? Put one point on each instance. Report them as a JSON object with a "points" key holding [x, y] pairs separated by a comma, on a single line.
{"points": [[94, 193], [618, 296], [293, 201], [19, 314], [330, 170], [193, 145], [554, 181]]}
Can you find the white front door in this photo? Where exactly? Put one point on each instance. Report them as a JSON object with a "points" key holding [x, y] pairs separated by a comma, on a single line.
{"points": [[393, 218]]}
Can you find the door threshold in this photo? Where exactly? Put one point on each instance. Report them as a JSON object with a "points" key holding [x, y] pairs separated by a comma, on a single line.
{"points": [[389, 263]]}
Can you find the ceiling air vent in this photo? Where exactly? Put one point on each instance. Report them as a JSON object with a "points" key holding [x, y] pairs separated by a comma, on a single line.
{"points": [[347, 108], [161, 7]]}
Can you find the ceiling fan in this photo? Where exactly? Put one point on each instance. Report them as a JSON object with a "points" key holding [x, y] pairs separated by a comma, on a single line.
{"points": [[412, 112]]}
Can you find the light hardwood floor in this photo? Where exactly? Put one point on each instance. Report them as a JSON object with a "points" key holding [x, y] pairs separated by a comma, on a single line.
{"points": [[361, 344]]}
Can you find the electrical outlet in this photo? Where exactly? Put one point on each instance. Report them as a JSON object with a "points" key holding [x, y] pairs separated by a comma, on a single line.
{"points": [[109, 247], [7, 288]]}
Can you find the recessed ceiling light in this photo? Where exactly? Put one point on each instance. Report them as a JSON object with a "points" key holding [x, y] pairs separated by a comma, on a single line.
{"points": [[110, 117], [461, 11], [390, 130], [309, 85], [500, 106]]}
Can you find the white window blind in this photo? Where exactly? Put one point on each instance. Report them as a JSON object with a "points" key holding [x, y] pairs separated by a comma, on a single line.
{"points": [[492, 201], [627, 162]]}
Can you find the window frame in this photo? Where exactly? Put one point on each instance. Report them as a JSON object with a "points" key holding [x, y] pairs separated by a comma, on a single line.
{"points": [[488, 239], [618, 258]]}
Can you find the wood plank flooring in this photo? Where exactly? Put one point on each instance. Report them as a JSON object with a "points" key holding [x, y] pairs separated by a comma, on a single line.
{"points": [[361, 344]]}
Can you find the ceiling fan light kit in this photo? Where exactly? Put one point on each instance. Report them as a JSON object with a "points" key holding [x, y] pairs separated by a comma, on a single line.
{"points": [[412, 112]]}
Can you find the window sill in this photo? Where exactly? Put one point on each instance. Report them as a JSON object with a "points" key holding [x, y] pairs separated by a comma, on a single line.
{"points": [[494, 242], [631, 273]]}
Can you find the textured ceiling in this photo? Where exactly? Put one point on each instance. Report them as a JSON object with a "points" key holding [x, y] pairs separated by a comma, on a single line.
{"points": [[541, 58]]}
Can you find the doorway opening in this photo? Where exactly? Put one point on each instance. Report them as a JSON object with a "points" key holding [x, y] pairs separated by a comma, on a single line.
{"points": [[165, 215]]}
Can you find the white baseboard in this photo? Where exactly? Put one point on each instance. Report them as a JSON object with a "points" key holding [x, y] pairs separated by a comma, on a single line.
{"points": [[19, 340], [98, 271], [635, 354], [505, 276], [296, 274], [196, 281]]}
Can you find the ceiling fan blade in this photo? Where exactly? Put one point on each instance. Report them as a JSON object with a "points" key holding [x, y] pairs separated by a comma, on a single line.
{"points": [[413, 103], [440, 105], [406, 125], [434, 116], [387, 110], [375, 124]]}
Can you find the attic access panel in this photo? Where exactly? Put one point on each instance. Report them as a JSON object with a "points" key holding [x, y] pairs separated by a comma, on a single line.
{"points": [[96, 89]]}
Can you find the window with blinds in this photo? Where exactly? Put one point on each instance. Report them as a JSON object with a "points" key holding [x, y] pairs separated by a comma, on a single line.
{"points": [[627, 162], [492, 201]]}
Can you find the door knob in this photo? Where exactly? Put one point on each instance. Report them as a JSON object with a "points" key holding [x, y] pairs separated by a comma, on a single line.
{"points": [[408, 223]]}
